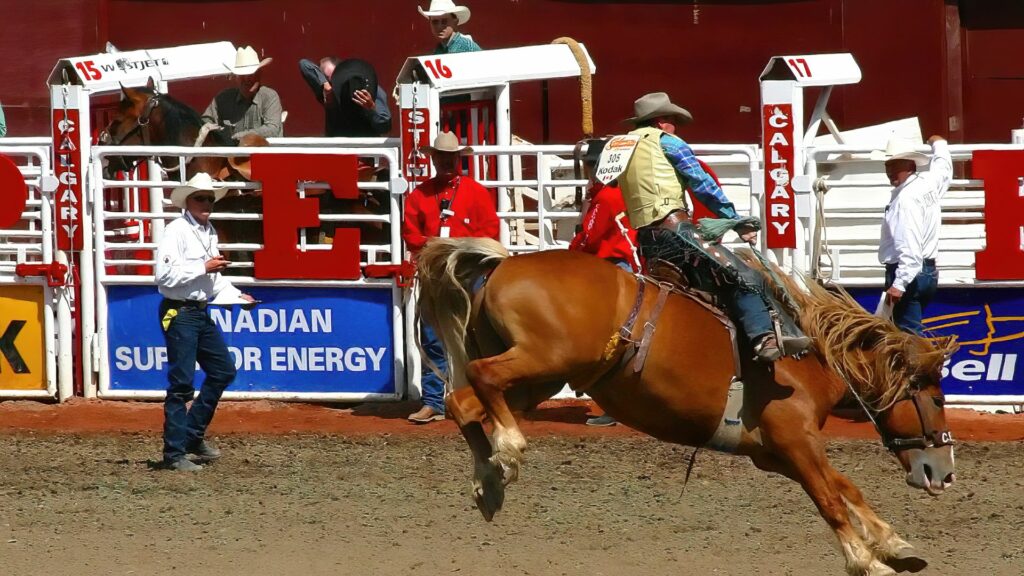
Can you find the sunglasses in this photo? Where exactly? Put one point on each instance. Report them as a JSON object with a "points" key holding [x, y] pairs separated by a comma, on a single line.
{"points": [[203, 199]]}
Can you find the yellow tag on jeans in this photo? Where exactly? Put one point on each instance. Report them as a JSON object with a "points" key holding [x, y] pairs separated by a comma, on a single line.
{"points": [[166, 322]]}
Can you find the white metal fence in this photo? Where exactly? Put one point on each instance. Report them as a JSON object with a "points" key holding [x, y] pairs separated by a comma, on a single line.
{"points": [[33, 305]]}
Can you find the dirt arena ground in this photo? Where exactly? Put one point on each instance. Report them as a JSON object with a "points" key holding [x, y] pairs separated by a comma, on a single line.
{"points": [[307, 490]]}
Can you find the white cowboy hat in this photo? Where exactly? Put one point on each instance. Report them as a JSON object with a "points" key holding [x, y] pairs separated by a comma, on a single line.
{"points": [[442, 7], [447, 142], [247, 62], [200, 182], [657, 104], [900, 148]]}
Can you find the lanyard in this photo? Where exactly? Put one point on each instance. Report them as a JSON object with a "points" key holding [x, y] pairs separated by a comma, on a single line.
{"points": [[208, 245], [445, 206]]}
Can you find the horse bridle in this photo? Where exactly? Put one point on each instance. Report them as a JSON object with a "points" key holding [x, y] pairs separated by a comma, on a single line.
{"points": [[141, 125], [931, 436]]}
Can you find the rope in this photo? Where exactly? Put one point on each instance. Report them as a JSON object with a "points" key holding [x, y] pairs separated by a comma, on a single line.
{"points": [[821, 236], [586, 84]]}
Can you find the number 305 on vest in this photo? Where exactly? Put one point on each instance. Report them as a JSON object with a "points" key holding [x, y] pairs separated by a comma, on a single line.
{"points": [[615, 157]]}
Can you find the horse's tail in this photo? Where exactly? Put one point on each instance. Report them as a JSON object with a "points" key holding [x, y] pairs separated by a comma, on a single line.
{"points": [[447, 268]]}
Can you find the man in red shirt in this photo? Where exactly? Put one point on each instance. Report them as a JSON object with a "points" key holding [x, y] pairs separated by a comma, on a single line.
{"points": [[449, 205], [601, 232]]}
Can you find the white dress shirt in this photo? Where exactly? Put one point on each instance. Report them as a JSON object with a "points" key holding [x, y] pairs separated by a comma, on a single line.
{"points": [[181, 262], [910, 232]]}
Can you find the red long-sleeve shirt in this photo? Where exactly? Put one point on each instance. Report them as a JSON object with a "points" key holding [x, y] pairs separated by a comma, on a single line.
{"points": [[600, 234], [474, 211]]}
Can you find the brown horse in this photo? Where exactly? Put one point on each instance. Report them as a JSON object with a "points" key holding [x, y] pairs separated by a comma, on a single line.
{"points": [[552, 317]]}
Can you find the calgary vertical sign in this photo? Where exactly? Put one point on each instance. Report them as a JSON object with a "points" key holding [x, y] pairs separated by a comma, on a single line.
{"points": [[67, 163], [780, 208]]}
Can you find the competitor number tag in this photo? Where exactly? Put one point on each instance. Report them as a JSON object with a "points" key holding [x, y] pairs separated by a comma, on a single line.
{"points": [[615, 157]]}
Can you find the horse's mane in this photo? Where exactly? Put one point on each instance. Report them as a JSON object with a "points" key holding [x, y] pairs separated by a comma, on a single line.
{"points": [[180, 121], [870, 353]]}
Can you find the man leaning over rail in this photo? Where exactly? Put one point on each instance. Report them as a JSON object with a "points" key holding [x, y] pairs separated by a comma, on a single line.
{"points": [[188, 275], [910, 230], [652, 185]]}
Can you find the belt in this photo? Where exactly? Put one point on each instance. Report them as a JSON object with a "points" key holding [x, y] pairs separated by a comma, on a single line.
{"points": [[197, 304], [927, 262], [673, 220]]}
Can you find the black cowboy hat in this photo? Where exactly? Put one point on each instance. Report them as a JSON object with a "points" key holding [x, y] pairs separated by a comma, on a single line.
{"points": [[594, 148], [351, 75]]}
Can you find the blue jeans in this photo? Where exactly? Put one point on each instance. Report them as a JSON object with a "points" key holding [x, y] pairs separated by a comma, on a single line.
{"points": [[624, 264], [908, 312], [192, 337], [433, 387], [752, 313]]}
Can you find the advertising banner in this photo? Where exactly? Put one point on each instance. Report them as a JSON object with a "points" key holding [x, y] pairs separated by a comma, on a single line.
{"points": [[296, 340], [22, 347], [988, 323]]}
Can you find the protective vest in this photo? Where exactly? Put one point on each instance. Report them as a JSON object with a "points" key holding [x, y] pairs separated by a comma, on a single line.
{"points": [[650, 185]]}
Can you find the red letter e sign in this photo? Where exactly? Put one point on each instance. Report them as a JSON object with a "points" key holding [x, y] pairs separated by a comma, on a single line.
{"points": [[284, 214]]}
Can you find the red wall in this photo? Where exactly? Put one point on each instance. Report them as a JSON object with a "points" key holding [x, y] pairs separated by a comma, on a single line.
{"points": [[706, 54]]}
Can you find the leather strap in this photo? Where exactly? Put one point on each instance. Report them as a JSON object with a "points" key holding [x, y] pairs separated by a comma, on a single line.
{"points": [[652, 320], [626, 330]]}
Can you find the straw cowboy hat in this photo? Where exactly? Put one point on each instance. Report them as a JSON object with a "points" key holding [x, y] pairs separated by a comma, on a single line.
{"points": [[247, 62], [200, 182], [442, 7], [654, 105], [901, 148], [447, 142]]}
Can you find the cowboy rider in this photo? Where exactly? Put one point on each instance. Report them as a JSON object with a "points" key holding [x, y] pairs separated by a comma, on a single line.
{"points": [[662, 166]]}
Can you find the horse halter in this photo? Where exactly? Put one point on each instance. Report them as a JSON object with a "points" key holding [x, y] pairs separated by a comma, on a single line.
{"points": [[931, 436]]}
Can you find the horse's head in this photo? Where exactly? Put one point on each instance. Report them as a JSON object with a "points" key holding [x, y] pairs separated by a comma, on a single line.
{"points": [[912, 419], [130, 125]]}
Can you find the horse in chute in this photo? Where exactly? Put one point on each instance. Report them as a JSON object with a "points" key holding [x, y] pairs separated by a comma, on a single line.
{"points": [[556, 316]]}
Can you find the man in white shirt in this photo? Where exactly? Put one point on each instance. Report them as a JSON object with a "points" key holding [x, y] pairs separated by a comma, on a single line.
{"points": [[910, 231], [188, 266]]}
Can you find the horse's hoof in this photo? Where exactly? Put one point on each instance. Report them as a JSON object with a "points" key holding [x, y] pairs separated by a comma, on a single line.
{"points": [[489, 492], [906, 560], [488, 501]]}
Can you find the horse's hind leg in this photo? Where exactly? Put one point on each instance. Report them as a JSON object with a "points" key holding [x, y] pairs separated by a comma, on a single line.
{"points": [[465, 408], [806, 463], [893, 550]]}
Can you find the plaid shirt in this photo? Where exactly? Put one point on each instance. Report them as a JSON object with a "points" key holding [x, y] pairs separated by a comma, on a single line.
{"points": [[692, 176], [459, 42], [262, 116]]}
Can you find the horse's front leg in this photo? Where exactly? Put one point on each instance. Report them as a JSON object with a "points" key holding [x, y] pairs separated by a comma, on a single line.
{"points": [[893, 550], [803, 460], [465, 408], [490, 378]]}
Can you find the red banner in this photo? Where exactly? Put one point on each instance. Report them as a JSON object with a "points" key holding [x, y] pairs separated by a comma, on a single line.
{"points": [[67, 165], [779, 204]]}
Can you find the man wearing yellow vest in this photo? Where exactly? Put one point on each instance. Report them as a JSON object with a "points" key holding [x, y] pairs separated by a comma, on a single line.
{"points": [[662, 166]]}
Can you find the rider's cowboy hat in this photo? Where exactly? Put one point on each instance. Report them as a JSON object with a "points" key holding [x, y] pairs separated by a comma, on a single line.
{"points": [[654, 105], [901, 148], [442, 7], [200, 182], [247, 62], [447, 142]]}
